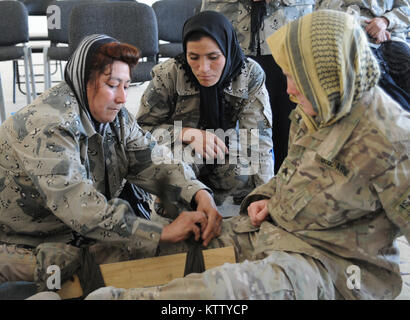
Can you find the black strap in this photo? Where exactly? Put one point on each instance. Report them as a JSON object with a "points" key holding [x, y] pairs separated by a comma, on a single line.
{"points": [[194, 262], [89, 272]]}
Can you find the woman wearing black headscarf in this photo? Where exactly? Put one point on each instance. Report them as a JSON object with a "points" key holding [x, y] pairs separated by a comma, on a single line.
{"points": [[254, 21], [211, 86]]}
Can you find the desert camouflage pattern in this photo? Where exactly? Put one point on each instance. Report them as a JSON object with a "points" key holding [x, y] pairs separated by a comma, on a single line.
{"points": [[396, 11], [170, 99], [52, 176], [279, 13], [339, 201]]}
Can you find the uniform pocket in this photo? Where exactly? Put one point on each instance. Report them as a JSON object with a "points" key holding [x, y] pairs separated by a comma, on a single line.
{"points": [[294, 204], [243, 225]]}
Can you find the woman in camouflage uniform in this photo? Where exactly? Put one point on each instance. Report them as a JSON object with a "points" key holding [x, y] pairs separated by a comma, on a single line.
{"points": [[212, 86], [254, 21], [325, 226], [64, 160]]}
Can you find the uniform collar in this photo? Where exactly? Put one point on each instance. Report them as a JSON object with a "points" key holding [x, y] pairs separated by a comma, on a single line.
{"points": [[328, 141]]}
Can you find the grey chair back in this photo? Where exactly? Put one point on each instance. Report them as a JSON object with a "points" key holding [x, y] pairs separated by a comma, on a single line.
{"points": [[60, 35], [36, 7], [13, 23], [171, 16], [127, 21]]}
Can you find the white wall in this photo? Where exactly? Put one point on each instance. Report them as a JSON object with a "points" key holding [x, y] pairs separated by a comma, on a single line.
{"points": [[148, 2]]}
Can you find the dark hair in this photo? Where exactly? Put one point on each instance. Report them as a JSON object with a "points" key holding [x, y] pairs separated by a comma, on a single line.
{"points": [[196, 36], [110, 52]]}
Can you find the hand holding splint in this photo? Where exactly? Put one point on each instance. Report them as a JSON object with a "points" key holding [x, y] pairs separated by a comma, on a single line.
{"points": [[205, 223], [183, 226], [207, 205]]}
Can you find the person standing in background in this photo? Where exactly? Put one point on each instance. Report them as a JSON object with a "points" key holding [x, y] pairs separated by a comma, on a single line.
{"points": [[386, 23], [254, 21]]}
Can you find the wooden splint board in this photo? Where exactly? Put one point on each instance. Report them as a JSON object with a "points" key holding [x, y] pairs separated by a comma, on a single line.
{"points": [[148, 272]]}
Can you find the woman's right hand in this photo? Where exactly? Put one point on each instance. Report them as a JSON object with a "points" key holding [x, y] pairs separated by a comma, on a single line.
{"points": [[258, 212], [205, 143], [187, 223]]}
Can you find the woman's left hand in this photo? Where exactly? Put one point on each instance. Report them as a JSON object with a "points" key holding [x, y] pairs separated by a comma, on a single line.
{"points": [[207, 205]]}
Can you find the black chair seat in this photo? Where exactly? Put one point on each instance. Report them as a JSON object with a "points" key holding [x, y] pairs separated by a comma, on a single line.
{"points": [[11, 53], [142, 72], [170, 49], [59, 53]]}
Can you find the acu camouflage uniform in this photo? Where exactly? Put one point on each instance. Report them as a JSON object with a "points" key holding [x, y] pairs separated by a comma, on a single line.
{"points": [[170, 98], [52, 181], [397, 12], [340, 200], [342, 195], [279, 12]]}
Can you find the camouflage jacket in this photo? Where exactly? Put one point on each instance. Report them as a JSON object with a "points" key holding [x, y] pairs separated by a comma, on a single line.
{"points": [[342, 196], [170, 97], [52, 175], [396, 11], [279, 12]]}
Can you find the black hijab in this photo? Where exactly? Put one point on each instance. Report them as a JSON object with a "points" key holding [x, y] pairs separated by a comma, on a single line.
{"points": [[216, 26]]}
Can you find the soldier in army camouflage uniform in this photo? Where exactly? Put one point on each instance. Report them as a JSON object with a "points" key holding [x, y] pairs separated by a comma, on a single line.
{"points": [[64, 160], [254, 21], [212, 86], [386, 23], [325, 226]]}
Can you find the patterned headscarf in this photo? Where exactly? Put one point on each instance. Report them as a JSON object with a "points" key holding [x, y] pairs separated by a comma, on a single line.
{"points": [[327, 54], [77, 71]]}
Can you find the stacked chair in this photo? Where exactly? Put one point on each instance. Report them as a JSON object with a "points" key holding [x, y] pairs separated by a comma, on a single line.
{"points": [[14, 37], [127, 21], [171, 16]]}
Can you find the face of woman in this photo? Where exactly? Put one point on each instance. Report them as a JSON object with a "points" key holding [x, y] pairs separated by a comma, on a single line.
{"points": [[303, 101], [206, 60], [107, 95]]}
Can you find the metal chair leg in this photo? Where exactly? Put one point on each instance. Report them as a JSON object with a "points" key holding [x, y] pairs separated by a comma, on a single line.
{"points": [[15, 66], [33, 81], [47, 73], [26, 75], [2, 104], [61, 69]]}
